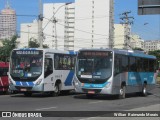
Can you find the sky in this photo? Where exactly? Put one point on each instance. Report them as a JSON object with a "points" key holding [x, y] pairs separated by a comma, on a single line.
{"points": [[149, 31]]}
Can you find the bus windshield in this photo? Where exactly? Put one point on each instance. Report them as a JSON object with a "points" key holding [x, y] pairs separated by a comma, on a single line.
{"points": [[94, 65], [26, 64]]}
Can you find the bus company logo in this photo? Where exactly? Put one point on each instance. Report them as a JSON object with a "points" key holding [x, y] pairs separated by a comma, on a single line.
{"points": [[6, 114]]}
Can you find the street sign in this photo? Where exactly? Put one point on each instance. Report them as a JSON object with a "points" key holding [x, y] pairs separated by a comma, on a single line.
{"points": [[146, 7]]}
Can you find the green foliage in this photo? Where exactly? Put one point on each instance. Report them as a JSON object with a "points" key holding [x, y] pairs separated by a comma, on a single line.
{"points": [[158, 74], [155, 53], [8, 46], [33, 43], [136, 48]]}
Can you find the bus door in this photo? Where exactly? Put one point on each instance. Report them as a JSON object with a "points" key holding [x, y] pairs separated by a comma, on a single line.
{"points": [[117, 72], [48, 73]]}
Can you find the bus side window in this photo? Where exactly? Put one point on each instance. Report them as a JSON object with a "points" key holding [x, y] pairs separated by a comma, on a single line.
{"points": [[116, 65], [132, 64], [124, 65], [145, 65], [3, 71], [151, 65], [48, 67]]}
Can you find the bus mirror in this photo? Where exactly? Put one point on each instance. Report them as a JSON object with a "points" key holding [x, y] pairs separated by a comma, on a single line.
{"points": [[7, 73]]}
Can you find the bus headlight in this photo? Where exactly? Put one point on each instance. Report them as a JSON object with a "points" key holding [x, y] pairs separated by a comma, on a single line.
{"points": [[108, 84], [39, 81]]}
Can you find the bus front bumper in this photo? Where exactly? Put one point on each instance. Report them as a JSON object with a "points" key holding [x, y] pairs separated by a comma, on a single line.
{"points": [[36, 88]]}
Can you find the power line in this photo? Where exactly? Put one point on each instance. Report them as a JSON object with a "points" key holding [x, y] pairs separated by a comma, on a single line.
{"points": [[85, 18], [85, 31], [27, 15], [80, 30]]}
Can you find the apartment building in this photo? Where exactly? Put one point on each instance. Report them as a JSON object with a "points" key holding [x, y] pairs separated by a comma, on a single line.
{"points": [[58, 25], [7, 23], [83, 24], [151, 45], [119, 36], [136, 41], [29, 31], [92, 19]]}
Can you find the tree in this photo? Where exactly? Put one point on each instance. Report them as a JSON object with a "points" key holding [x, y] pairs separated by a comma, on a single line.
{"points": [[8, 46], [136, 48], [155, 53], [34, 44]]}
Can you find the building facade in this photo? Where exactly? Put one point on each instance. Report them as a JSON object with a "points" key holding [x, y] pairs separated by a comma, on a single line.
{"points": [[7, 23], [29, 31], [83, 24], [152, 45], [58, 25], [119, 36], [136, 41], [92, 24]]}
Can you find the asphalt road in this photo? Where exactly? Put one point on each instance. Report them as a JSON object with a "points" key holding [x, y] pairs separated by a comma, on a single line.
{"points": [[74, 102]]}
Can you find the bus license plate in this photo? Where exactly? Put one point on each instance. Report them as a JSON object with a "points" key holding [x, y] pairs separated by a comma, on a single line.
{"points": [[91, 92], [23, 89]]}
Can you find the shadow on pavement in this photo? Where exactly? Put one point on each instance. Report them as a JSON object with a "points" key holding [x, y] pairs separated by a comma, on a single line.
{"points": [[108, 97]]}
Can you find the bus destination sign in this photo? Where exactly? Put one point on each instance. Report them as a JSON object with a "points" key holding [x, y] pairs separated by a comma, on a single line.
{"points": [[95, 53], [27, 52]]}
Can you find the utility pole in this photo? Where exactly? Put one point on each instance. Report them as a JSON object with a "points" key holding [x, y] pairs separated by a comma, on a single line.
{"points": [[28, 34], [55, 25], [54, 20], [111, 24], [40, 19], [127, 21]]}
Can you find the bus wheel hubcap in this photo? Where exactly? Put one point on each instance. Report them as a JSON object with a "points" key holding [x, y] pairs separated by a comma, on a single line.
{"points": [[56, 89], [121, 91], [144, 90]]}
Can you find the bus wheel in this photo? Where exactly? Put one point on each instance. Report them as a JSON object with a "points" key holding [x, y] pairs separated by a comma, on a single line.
{"points": [[57, 90], [65, 92], [28, 94], [122, 92], [144, 90]]}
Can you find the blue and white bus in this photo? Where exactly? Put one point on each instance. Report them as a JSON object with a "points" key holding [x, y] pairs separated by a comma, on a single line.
{"points": [[41, 70], [113, 72]]}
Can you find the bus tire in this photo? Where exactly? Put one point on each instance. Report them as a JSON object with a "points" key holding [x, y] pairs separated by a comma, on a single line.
{"points": [[65, 92], [144, 90], [27, 94], [122, 92], [57, 90]]}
